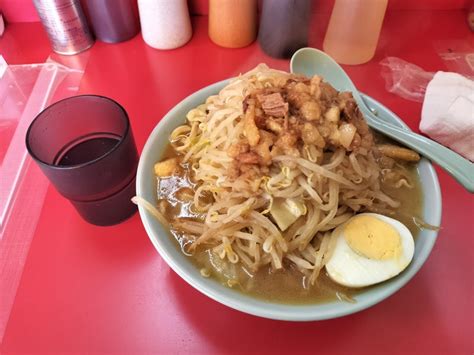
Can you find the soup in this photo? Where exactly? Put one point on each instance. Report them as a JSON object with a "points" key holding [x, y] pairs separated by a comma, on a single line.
{"points": [[258, 178], [283, 286]]}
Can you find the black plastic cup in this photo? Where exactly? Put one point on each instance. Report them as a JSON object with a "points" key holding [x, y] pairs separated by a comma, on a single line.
{"points": [[84, 145]]}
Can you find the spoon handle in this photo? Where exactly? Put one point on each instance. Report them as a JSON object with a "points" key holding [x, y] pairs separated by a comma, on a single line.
{"points": [[457, 166]]}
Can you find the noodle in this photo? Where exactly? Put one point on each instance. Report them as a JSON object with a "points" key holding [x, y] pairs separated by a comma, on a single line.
{"points": [[246, 148]]}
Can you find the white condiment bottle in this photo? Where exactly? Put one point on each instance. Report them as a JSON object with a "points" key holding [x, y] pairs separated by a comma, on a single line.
{"points": [[165, 23]]}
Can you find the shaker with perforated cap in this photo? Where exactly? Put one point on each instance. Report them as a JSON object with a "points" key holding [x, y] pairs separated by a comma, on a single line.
{"points": [[165, 23]]}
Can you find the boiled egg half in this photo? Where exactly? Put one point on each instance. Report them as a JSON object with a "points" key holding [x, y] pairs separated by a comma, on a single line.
{"points": [[369, 248]]}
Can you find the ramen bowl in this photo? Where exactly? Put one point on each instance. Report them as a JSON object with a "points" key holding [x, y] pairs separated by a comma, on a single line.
{"points": [[167, 247]]}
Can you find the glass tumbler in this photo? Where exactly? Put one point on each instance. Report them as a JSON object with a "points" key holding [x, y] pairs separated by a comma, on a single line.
{"points": [[85, 146]]}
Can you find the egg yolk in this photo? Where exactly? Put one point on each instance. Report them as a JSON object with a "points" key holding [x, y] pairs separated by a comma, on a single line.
{"points": [[373, 238]]}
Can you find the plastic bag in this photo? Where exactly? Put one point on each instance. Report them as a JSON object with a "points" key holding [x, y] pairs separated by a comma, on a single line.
{"points": [[25, 90], [457, 55], [405, 79]]}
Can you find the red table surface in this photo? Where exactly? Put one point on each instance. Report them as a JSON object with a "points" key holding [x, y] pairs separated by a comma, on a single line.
{"points": [[106, 290]]}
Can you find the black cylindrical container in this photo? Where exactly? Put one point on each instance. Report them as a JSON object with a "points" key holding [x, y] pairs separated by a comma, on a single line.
{"points": [[113, 20], [284, 26]]}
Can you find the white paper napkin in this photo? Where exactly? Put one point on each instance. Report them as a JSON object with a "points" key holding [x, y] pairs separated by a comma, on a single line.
{"points": [[448, 112]]}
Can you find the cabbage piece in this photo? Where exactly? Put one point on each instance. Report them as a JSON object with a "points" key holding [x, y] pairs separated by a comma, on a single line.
{"points": [[286, 211]]}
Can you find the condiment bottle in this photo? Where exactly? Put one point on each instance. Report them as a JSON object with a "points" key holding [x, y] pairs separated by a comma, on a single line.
{"points": [[354, 29], [2, 25], [232, 23], [165, 23], [284, 26], [470, 17], [112, 20], [65, 24]]}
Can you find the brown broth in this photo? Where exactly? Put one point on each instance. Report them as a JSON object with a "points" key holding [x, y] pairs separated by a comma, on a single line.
{"points": [[289, 285], [282, 286], [411, 201]]}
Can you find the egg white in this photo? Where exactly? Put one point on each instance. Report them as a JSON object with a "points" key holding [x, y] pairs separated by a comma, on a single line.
{"points": [[348, 268]]}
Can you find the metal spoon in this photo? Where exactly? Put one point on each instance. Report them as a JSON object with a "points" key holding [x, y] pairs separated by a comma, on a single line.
{"points": [[311, 61]]}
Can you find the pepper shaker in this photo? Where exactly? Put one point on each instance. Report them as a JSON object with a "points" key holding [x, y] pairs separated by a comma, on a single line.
{"points": [[165, 23]]}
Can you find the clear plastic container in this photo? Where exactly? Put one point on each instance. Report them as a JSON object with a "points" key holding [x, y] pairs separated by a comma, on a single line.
{"points": [[354, 29], [25, 90]]}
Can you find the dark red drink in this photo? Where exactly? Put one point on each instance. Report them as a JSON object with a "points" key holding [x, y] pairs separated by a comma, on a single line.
{"points": [[85, 146]]}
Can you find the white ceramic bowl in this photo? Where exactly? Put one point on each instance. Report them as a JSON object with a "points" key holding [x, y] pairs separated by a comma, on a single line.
{"points": [[166, 245]]}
